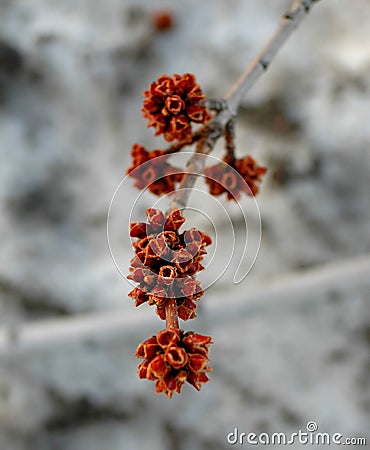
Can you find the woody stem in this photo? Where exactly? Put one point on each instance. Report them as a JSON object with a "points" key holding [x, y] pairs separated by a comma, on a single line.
{"points": [[172, 320], [223, 122], [195, 166], [290, 20], [229, 106], [229, 142]]}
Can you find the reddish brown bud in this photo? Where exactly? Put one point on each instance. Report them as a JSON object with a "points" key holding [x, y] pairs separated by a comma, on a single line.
{"points": [[240, 175], [197, 362], [143, 369], [197, 343], [167, 275], [171, 104], [197, 380], [155, 217], [170, 362], [138, 229], [197, 114], [139, 295], [174, 104], [166, 263], [176, 356], [167, 337], [157, 295], [174, 220], [191, 288], [187, 309], [171, 238], [158, 176], [157, 368], [229, 180], [162, 21], [148, 349], [158, 247], [137, 275]]}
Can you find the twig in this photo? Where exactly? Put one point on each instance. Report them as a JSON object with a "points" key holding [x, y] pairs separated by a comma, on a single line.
{"points": [[172, 320], [179, 145], [195, 165], [229, 141], [291, 19], [205, 137], [230, 104]]}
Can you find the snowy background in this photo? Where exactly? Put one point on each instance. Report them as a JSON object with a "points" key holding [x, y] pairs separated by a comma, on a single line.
{"points": [[291, 342]]}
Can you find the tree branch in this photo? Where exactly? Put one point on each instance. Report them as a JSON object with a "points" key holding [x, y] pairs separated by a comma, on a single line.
{"points": [[195, 165], [44, 334], [172, 319], [209, 134], [291, 19]]}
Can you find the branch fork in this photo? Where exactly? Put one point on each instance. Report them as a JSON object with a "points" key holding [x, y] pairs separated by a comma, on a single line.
{"points": [[172, 105]]}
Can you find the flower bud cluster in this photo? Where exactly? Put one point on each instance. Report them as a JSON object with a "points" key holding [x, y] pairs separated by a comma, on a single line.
{"points": [[173, 357], [166, 263], [166, 260], [172, 104], [151, 170], [234, 177]]}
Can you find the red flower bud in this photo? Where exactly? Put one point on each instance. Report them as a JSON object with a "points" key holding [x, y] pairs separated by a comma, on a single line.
{"points": [[240, 175], [176, 357], [166, 263], [171, 104], [157, 175], [169, 362]]}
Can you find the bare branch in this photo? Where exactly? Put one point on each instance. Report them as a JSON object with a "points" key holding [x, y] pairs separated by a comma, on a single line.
{"points": [[291, 19], [42, 335], [209, 134], [172, 319], [195, 165]]}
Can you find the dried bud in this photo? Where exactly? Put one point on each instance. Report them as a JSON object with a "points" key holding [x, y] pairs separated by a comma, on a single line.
{"points": [[170, 361], [158, 175], [174, 220], [162, 20], [241, 175], [155, 218], [172, 104], [176, 357], [187, 309], [166, 263]]}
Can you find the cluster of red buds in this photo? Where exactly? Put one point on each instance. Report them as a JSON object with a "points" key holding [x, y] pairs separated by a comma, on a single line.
{"points": [[164, 266], [166, 263], [172, 105], [151, 170], [240, 175], [173, 357], [166, 260]]}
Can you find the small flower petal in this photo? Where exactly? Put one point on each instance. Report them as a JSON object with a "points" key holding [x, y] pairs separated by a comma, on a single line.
{"points": [[176, 357]]}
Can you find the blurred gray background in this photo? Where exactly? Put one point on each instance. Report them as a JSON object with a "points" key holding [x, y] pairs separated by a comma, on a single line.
{"points": [[291, 342]]}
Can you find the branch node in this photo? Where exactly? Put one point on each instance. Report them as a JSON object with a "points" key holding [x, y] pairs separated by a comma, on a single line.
{"points": [[216, 104], [307, 5], [264, 63]]}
